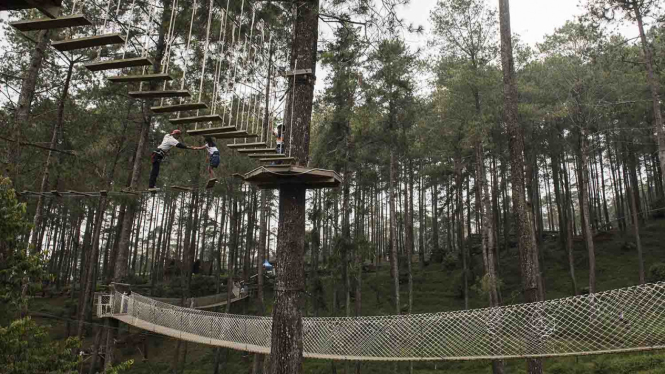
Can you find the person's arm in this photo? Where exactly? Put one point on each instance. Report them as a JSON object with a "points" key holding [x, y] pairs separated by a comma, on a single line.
{"points": [[183, 146]]}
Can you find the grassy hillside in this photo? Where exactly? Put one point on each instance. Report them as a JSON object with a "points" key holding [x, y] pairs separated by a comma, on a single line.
{"points": [[436, 288]]}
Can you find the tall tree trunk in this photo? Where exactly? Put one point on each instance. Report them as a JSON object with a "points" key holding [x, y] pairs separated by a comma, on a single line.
{"points": [[287, 347], [652, 80], [526, 237], [55, 130], [436, 251], [394, 261], [25, 98], [460, 230], [570, 231], [421, 218], [584, 209], [485, 209], [263, 229]]}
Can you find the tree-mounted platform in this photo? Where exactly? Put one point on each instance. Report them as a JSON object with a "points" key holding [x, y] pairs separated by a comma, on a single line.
{"points": [[118, 64], [160, 77], [213, 130], [274, 176], [256, 150], [159, 94], [51, 23], [197, 119], [178, 107], [246, 145], [234, 135], [88, 42], [50, 8]]}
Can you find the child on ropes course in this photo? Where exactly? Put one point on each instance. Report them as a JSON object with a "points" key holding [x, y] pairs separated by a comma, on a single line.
{"points": [[212, 156], [279, 140], [170, 141]]}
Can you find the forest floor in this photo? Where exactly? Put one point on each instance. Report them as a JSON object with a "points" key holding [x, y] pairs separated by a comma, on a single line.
{"points": [[436, 288]]}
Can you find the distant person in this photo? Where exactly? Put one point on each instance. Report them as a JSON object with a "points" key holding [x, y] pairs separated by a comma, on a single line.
{"points": [[169, 141], [279, 138]]}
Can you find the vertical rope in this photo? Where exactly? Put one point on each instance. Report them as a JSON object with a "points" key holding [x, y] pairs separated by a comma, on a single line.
{"points": [[293, 100], [106, 17], [188, 50], [129, 28], [205, 52]]}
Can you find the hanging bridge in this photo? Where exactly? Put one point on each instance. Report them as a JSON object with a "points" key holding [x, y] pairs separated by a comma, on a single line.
{"points": [[623, 320]]}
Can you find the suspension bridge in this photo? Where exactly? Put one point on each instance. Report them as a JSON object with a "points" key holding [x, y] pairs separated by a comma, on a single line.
{"points": [[622, 320]]}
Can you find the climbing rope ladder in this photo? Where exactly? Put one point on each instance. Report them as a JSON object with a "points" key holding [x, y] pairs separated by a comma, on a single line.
{"points": [[623, 320]]}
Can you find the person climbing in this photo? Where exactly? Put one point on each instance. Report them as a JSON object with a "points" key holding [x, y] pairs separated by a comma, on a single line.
{"points": [[169, 141], [279, 140], [212, 156]]}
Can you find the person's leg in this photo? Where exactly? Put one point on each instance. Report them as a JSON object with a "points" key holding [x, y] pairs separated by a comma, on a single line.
{"points": [[154, 173]]}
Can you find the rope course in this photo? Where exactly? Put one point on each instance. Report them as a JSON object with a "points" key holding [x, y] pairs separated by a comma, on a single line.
{"points": [[622, 320], [239, 62]]}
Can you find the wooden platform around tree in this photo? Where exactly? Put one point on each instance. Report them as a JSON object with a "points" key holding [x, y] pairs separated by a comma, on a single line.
{"points": [[160, 77], [51, 23], [242, 134], [197, 119], [256, 150], [274, 176], [88, 42], [246, 145], [50, 8], [118, 64], [159, 94], [178, 107]]}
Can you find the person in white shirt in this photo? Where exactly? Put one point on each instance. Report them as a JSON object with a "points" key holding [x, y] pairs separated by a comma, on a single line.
{"points": [[212, 156], [170, 141]]}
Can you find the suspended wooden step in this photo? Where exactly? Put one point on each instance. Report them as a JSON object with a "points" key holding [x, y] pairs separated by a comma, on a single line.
{"points": [[212, 130], [234, 135], [160, 77], [287, 160], [118, 64], [182, 188], [266, 155], [178, 107], [273, 176], [159, 94], [51, 23], [246, 145], [256, 150], [196, 119], [50, 8], [88, 42]]}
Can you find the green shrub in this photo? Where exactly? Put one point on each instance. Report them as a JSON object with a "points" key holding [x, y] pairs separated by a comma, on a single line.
{"points": [[657, 272], [450, 261]]}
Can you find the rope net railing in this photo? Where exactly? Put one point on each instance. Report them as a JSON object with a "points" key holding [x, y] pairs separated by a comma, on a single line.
{"points": [[201, 302], [622, 320]]}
